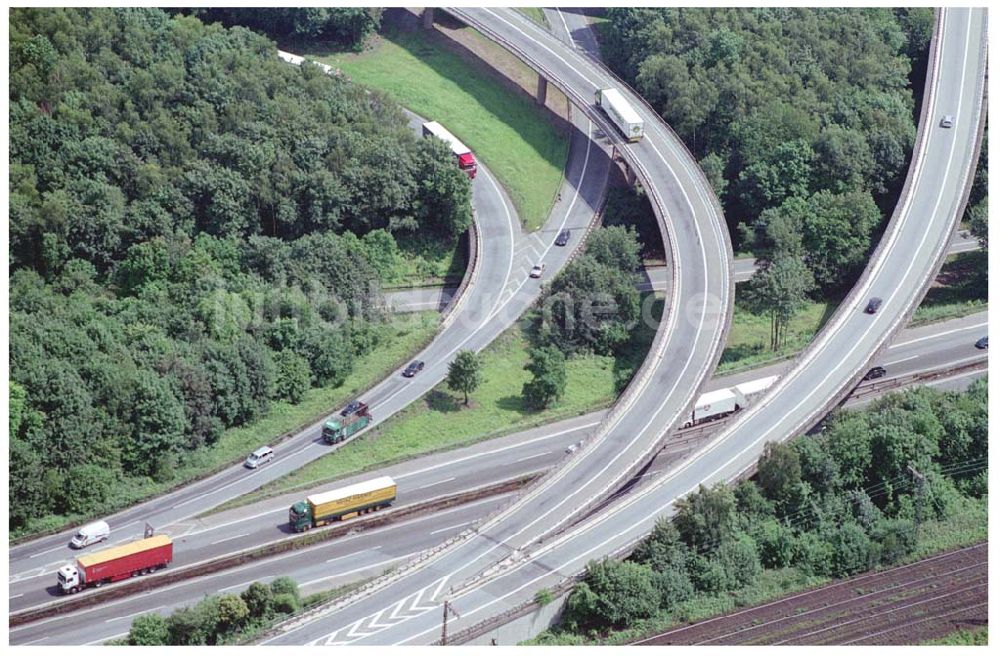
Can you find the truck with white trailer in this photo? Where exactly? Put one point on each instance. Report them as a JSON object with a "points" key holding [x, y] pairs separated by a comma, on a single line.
{"points": [[716, 404], [463, 155], [621, 113]]}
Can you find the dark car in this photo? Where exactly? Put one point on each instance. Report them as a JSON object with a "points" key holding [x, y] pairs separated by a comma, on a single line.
{"points": [[414, 368], [562, 238], [873, 305], [983, 343], [352, 407], [876, 372]]}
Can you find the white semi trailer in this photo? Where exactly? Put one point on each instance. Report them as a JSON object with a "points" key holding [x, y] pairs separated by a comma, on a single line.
{"points": [[722, 402], [621, 113]]}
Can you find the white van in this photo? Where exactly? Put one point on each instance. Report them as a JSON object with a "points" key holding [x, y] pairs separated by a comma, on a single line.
{"points": [[91, 533], [261, 456]]}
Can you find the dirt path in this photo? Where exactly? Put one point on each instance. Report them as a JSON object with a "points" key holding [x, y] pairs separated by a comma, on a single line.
{"points": [[903, 605]]}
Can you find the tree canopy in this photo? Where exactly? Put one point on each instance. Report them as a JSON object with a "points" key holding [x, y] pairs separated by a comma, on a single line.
{"points": [[197, 230]]}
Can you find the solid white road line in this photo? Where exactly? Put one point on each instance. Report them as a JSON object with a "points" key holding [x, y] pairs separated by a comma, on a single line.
{"points": [[934, 336], [242, 535], [14, 597], [363, 551], [900, 361], [532, 457], [246, 583], [134, 615], [360, 569], [450, 528], [37, 640], [424, 487], [48, 551]]}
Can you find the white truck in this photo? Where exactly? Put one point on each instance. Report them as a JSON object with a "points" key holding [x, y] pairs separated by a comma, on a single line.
{"points": [[620, 113], [463, 155], [722, 402]]}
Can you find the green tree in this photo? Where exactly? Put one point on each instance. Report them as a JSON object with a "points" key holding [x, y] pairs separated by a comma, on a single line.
{"points": [[292, 376], [621, 593], [233, 612], [779, 471], [548, 383], [707, 517], [616, 247], [259, 600], [286, 586], [739, 561], [149, 629], [465, 373], [86, 487], [779, 290], [851, 550], [590, 306]]}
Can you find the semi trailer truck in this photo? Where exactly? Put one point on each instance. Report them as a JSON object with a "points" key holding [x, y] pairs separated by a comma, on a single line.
{"points": [[341, 426], [722, 402], [463, 154], [342, 503], [116, 563], [621, 113]]}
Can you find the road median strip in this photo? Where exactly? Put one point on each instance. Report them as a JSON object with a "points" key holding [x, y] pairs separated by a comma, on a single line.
{"points": [[356, 525]]}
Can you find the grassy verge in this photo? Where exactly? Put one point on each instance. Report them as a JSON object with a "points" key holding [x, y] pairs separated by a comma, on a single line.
{"points": [[407, 334], [426, 260], [749, 344], [536, 14], [517, 140], [965, 526], [958, 291], [439, 421], [974, 636]]}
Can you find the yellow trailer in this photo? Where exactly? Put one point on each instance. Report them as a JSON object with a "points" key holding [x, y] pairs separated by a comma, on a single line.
{"points": [[342, 503]]}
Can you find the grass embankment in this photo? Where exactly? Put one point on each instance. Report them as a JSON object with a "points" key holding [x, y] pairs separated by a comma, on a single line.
{"points": [[520, 142], [426, 260], [407, 335], [968, 526], [439, 421]]}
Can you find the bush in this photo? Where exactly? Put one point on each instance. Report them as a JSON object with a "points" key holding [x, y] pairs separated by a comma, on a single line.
{"points": [[259, 600], [149, 629], [852, 550], [286, 586], [674, 586], [285, 603], [739, 560], [614, 593]]}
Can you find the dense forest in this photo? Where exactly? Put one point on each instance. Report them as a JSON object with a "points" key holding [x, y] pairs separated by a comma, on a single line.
{"points": [[795, 114], [349, 27], [197, 229], [827, 505]]}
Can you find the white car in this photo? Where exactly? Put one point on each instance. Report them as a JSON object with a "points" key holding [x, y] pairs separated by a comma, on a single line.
{"points": [[537, 271], [947, 121], [573, 448]]}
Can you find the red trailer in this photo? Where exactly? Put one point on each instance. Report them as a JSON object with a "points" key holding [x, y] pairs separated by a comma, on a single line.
{"points": [[128, 560]]}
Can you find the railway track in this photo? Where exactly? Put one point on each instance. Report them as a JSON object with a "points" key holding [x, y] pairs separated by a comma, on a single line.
{"points": [[919, 601]]}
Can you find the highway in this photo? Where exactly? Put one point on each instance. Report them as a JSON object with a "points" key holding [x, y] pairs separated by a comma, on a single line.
{"points": [[497, 296], [652, 278], [935, 347], [405, 609]]}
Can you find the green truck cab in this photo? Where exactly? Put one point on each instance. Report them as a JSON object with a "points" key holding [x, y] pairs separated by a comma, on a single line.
{"points": [[342, 503], [341, 426]]}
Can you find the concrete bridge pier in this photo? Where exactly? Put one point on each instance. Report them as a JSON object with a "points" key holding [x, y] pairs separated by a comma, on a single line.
{"points": [[428, 17], [543, 90]]}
